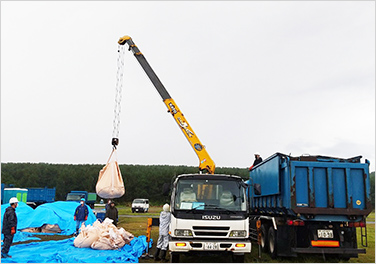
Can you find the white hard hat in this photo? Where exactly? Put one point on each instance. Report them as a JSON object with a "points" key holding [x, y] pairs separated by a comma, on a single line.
{"points": [[13, 200], [257, 153], [166, 208]]}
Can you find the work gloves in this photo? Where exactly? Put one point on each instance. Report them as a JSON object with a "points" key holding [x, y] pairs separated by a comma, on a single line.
{"points": [[75, 218]]}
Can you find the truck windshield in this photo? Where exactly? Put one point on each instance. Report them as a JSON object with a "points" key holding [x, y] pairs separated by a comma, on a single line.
{"points": [[75, 197], [205, 194]]}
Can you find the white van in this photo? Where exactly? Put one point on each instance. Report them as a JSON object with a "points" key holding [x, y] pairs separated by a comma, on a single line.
{"points": [[140, 205]]}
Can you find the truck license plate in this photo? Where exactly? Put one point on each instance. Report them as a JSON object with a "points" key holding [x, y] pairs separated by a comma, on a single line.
{"points": [[322, 233], [210, 246]]}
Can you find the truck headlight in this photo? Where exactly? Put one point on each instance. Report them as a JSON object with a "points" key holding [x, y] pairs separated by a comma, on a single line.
{"points": [[183, 232], [238, 233]]}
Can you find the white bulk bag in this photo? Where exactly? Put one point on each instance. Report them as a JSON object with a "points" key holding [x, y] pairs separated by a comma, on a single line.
{"points": [[110, 182], [88, 235]]}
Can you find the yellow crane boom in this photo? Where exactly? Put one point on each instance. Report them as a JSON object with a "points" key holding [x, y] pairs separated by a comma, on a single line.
{"points": [[206, 163]]}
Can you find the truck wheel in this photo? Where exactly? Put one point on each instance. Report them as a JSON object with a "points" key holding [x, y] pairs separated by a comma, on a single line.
{"points": [[238, 258], [175, 257], [132, 210], [272, 237], [264, 238]]}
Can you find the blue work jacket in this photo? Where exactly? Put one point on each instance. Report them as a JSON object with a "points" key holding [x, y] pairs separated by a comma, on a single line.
{"points": [[81, 212]]}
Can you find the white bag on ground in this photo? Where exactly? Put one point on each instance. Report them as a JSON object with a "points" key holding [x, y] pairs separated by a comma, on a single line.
{"points": [[102, 236], [127, 236], [86, 237], [110, 182]]}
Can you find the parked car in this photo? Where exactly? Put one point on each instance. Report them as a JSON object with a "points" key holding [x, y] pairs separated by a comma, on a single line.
{"points": [[140, 205]]}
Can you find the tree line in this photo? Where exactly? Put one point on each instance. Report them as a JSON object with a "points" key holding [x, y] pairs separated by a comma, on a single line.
{"points": [[141, 181]]}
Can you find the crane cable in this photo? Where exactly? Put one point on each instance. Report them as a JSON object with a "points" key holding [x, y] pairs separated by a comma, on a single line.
{"points": [[118, 95]]}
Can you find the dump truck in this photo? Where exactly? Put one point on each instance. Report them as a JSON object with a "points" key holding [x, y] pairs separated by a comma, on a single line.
{"points": [[38, 196], [31, 196], [90, 198], [309, 204]]}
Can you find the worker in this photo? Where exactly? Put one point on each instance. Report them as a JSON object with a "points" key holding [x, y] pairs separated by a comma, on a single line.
{"points": [[80, 215], [164, 226], [258, 160], [107, 204], [112, 213], [9, 226]]}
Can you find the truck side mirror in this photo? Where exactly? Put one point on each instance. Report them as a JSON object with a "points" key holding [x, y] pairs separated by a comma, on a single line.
{"points": [[166, 189], [257, 188]]}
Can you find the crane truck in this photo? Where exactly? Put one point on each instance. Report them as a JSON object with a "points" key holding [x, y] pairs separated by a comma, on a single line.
{"points": [[209, 212]]}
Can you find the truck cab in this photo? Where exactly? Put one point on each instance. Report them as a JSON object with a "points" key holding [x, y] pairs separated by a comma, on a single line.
{"points": [[209, 213], [90, 198]]}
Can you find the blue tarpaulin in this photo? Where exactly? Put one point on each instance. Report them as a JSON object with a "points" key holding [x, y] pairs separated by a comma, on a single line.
{"points": [[60, 213], [63, 251]]}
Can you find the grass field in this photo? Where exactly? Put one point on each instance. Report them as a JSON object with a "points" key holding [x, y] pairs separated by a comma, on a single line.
{"points": [[137, 225]]}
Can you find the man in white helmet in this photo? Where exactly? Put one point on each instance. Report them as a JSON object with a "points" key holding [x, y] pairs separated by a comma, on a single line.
{"points": [[258, 160], [164, 226], [9, 226]]}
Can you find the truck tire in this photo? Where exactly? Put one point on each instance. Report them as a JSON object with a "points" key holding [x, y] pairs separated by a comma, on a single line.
{"points": [[272, 237], [175, 257], [132, 210], [238, 258], [264, 238]]}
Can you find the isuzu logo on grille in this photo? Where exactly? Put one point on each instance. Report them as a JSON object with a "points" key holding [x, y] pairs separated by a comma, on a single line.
{"points": [[211, 217]]}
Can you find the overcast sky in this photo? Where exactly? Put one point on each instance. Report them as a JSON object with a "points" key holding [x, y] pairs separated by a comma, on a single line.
{"points": [[292, 77]]}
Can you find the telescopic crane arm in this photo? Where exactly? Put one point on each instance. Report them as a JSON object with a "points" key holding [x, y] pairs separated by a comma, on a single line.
{"points": [[206, 163]]}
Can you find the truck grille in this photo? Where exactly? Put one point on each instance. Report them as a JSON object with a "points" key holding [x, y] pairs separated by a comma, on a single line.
{"points": [[210, 231]]}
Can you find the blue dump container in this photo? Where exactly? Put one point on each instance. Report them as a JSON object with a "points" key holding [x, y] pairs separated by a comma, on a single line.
{"points": [[309, 205], [41, 195], [19, 193], [312, 185]]}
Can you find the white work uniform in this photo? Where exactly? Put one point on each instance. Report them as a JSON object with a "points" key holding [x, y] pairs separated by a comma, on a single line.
{"points": [[164, 226]]}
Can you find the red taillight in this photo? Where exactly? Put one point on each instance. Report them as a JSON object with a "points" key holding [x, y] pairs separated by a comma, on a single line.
{"points": [[357, 224], [295, 222]]}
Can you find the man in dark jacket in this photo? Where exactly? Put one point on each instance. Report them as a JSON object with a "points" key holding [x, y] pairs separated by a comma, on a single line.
{"points": [[9, 226], [80, 215], [112, 213], [258, 160]]}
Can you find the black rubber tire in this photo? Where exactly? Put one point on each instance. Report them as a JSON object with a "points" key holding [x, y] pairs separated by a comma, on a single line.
{"points": [[264, 239], [272, 245]]}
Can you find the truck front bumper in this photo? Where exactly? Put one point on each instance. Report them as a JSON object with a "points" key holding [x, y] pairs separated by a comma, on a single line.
{"points": [[235, 246]]}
